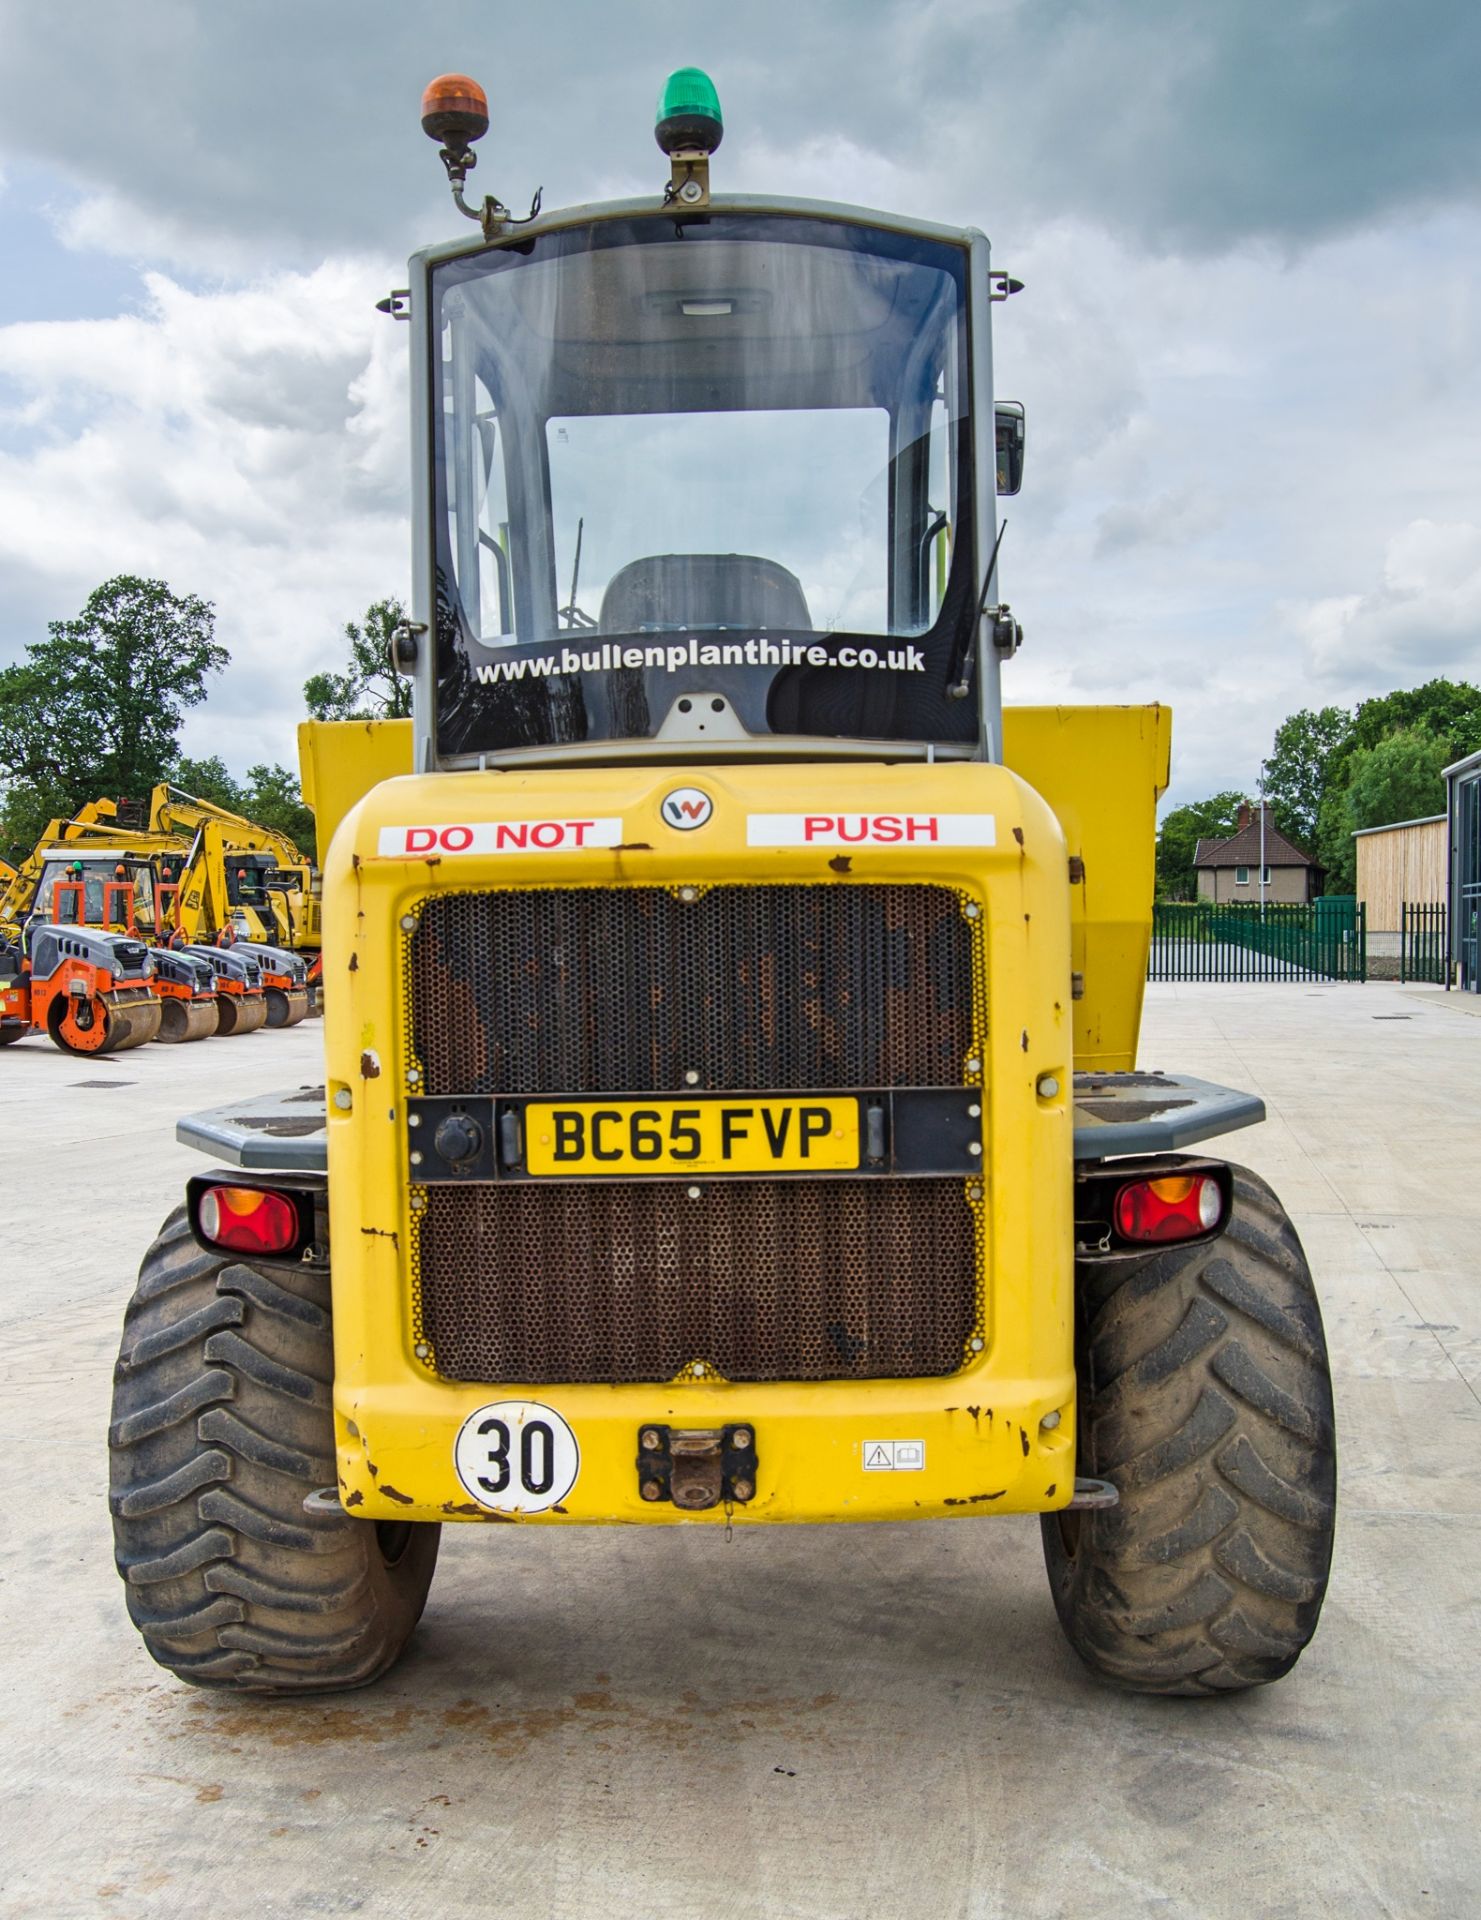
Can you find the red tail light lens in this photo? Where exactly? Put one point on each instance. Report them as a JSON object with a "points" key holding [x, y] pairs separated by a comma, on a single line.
{"points": [[1175, 1207], [247, 1220]]}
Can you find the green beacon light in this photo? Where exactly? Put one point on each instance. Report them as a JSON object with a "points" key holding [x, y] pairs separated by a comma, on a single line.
{"points": [[689, 128], [689, 117]]}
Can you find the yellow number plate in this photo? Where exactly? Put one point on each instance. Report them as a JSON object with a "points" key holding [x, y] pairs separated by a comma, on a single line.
{"points": [[740, 1135]]}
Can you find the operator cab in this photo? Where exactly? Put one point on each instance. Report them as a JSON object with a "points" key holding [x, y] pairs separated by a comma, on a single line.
{"points": [[718, 481], [247, 878], [112, 891]]}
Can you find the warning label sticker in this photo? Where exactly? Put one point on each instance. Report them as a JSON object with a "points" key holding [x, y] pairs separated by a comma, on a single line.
{"points": [[498, 836], [871, 829], [894, 1456]]}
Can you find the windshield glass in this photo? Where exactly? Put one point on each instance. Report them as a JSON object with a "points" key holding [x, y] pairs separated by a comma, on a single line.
{"points": [[96, 893], [741, 429]]}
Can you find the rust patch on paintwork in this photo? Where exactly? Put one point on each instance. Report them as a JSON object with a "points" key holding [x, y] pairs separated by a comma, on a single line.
{"points": [[370, 1066], [841, 863], [356, 1499], [971, 1499], [1018, 835], [393, 1493]]}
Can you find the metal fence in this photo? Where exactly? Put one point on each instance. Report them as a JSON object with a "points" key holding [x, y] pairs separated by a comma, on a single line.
{"points": [[1424, 942], [1199, 940]]}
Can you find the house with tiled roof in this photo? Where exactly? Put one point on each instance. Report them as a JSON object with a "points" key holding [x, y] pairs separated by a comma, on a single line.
{"points": [[1229, 870]]}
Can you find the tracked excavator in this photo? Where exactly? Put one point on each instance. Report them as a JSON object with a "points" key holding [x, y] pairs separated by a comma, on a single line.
{"points": [[265, 885]]}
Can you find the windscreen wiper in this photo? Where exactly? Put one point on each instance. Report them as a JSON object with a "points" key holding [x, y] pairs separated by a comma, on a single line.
{"points": [[571, 613]]}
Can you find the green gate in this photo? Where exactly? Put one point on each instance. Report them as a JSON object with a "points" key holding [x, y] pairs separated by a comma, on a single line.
{"points": [[1424, 945], [1199, 940]]}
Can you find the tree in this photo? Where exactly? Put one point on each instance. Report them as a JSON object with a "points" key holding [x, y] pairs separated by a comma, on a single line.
{"points": [[272, 799], [95, 709], [1448, 710], [1300, 769], [1178, 837], [210, 780], [1311, 768], [370, 690], [1398, 778]]}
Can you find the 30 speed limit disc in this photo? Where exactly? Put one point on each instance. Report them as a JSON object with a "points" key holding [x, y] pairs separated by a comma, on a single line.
{"points": [[516, 1456]]}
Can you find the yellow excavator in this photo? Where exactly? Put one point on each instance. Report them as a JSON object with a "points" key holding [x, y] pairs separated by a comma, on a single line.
{"points": [[251, 876]]}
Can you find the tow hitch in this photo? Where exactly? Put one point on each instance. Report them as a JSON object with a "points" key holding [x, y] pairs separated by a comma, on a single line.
{"points": [[697, 1467]]}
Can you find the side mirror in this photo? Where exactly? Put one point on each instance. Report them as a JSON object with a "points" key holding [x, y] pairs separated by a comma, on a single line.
{"points": [[1011, 430]]}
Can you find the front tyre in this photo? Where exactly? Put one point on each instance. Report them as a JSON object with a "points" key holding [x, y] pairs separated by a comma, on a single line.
{"points": [[221, 1425], [1205, 1397]]}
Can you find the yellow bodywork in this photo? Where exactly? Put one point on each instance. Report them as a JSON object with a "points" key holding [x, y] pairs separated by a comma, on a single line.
{"points": [[339, 761], [986, 1447], [1102, 770]]}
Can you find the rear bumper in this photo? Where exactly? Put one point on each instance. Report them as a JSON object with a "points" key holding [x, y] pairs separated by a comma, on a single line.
{"points": [[979, 1440]]}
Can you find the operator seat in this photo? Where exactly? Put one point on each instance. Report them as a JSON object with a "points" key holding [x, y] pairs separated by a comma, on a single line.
{"points": [[674, 592]]}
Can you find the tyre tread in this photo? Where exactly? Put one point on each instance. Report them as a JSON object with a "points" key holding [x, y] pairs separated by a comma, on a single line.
{"points": [[221, 1425], [1207, 1402]]}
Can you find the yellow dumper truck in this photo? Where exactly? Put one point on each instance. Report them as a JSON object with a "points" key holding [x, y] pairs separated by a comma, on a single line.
{"points": [[730, 1112]]}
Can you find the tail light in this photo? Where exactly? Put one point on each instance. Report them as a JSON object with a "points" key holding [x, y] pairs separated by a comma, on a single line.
{"points": [[1172, 1207], [253, 1220]]}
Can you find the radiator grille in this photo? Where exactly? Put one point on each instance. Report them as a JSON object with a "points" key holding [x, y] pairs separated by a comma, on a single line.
{"points": [[605, 990], [633, 990], [764, 1280]]}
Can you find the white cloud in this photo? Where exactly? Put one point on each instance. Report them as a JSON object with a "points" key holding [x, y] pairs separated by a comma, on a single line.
{"points": [[1252, 467], [1423, 618], [247, 445]]}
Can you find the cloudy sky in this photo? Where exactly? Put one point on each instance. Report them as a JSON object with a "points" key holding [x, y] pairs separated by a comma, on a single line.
{"points": [[1250, 345]]}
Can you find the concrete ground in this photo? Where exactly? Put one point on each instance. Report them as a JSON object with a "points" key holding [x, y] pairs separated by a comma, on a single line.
{"points": [[817, 1723]]}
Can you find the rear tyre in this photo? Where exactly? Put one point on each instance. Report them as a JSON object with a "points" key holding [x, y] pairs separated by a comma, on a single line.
{"points": [[10, 1034], [221, 1425], [1205, 1397]]}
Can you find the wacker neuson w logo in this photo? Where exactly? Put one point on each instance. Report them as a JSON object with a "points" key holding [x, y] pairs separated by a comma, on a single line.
{"points": [[676, 656], [686, 808]]}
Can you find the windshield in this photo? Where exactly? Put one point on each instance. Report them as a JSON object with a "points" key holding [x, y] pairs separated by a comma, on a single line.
{"points": [[748, 432], [101, 892]]}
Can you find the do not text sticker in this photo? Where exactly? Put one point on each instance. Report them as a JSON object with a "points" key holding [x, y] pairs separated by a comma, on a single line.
{"points": [[516, 1456]]}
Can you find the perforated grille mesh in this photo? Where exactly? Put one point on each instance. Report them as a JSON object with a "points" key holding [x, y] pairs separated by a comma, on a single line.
{"points": [[632, 990], [596, 990], [764, 1280]]}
